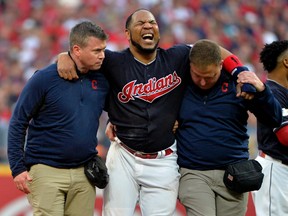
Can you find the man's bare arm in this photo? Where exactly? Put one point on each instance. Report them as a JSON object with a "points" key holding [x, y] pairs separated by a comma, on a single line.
{"points": [[225, 53]]}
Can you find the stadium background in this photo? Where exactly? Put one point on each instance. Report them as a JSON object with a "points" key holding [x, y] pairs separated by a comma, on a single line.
{"points": [[32, 32]]}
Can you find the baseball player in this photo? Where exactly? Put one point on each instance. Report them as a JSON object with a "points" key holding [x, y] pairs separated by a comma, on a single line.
{"points": [[146, 88], [272, 198]]}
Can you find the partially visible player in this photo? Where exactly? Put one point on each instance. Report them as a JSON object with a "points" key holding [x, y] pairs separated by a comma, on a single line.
{"points": [[272, 198], [147, 84], [61, 119]]}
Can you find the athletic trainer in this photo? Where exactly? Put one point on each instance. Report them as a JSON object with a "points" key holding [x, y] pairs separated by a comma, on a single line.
{"points": [[62, 118]]}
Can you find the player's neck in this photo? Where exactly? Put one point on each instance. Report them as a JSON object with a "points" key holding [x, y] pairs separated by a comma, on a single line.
{"points": [[280, 78], [144, 58]]}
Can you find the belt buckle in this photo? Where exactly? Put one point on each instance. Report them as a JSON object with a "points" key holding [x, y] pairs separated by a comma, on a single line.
{"points": [[139, 154], [144, 155]]}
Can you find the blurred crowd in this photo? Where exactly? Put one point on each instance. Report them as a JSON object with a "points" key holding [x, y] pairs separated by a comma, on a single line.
{"points": [[33, 32]]}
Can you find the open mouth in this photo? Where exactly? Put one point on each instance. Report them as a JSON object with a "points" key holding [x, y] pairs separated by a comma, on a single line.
{"points": [[148, 37]]}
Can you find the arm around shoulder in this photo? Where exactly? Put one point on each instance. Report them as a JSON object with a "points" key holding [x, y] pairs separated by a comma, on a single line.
{"points": [[66, 66]]}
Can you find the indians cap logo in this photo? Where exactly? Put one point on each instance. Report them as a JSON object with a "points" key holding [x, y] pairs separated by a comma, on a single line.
{"points": [[151, 90]]}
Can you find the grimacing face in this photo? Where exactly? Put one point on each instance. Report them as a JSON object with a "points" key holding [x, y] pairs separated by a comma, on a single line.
{"points": [[205, 77], [143, 32]]}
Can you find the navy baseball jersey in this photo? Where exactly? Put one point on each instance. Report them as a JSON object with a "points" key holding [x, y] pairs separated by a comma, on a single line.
{"points": [[144, 96], [267, 140]]}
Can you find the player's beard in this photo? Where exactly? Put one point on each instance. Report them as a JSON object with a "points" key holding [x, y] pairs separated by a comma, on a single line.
{"points": [[142, 49]]}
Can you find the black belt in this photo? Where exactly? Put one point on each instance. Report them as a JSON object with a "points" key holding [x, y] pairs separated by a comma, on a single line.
{"points": [[144, 155]]}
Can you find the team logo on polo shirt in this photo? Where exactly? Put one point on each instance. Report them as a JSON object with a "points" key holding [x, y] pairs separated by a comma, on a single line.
{"points": [[151, 90]]}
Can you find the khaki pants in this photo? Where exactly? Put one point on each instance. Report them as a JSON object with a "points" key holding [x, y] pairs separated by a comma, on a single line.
{"points": [[203, 193], [58, 192]]}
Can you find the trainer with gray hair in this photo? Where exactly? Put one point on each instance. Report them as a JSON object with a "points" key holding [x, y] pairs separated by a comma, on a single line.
{"points": [[61, 118]]}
